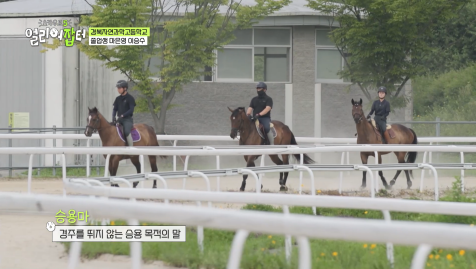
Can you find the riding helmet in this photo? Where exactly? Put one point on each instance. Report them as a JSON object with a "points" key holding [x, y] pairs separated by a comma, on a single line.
{"points": [[262, 85], [121, 84], [382, 89]]}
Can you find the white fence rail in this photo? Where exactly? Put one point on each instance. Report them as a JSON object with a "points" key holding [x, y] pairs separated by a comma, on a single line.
{"points": [[285, 200], [300, 226], [217, 138], [249, 150]]}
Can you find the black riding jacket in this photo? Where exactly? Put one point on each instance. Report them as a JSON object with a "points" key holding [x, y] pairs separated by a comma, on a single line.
{"points": [[124, 105], [381, 109]]}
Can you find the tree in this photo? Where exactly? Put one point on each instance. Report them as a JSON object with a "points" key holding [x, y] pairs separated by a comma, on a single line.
{"points": [[382, 41], [453, 42], [184, 35]]}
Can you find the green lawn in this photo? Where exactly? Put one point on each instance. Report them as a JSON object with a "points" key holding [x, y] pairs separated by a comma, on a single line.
{"points": [[266, 251]]}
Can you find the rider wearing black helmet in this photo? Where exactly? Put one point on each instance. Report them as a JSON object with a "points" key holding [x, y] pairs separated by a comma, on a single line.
{"points": [[261, 106], [124, 107], [381, 108]]}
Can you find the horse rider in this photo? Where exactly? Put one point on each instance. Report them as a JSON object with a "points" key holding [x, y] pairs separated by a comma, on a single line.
{"points": [[261, 106], [124, 107], [381, 108]]}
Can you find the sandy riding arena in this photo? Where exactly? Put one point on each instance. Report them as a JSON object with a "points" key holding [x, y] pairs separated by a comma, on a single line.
{"points": [[27, 244]]}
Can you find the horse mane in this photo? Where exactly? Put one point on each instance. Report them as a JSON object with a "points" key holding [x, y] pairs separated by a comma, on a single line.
{"points": [[94, 110], [236, 111]]}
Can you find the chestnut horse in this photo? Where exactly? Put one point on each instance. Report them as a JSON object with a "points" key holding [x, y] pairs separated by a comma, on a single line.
{"points": [[367, 133], [110, 138], [250, 136]]}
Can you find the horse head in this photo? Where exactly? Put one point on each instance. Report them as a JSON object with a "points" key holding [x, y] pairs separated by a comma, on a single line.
{"points": [[237, 119], [94, 122], [357, 112]]}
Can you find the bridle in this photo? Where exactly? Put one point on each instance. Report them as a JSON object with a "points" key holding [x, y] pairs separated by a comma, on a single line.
{"points": [[95, 130], [358, 114], [241, 125]]}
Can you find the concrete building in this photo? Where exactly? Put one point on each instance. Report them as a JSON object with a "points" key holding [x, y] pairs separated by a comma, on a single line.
{"points": [[297, 61]]}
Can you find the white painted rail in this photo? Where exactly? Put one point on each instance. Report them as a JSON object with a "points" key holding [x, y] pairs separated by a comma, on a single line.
{"points": [[326, 140], [237, 150], [301, 226]]}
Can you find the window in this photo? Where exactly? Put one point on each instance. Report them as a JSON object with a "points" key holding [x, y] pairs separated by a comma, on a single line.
{"points": [[156, 62], [328, 58], [258, 54]]}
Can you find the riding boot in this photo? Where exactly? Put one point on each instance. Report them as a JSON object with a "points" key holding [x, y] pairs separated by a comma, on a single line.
{"points": [[270, 138], [383, 138], [129, 141]]}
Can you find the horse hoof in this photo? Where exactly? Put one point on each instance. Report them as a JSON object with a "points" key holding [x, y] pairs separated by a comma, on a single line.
{"points": [[363, 187], [388, 187], [242, 189], [392, 182], [283, 188], [154, 187]]}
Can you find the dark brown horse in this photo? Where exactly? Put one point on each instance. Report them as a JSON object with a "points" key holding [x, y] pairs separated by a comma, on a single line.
{"points": [[249, 136], [110, 138], [367, 133]]}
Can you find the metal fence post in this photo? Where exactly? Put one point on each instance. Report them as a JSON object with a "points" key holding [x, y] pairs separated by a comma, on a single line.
{"points": [[54, 155], [10, 156], [438, 126], [39, 156]]}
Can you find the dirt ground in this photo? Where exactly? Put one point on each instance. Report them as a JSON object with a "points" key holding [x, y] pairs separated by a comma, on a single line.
{"points": [[36, 250]]}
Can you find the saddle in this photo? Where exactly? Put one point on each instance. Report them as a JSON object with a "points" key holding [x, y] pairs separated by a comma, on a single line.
{"points": [[262, 133], [389, 129], [134, 133]]}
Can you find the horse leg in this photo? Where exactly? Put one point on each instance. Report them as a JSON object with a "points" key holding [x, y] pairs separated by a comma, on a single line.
{"points": [[278, 161], [364, 157], [153, 167], [135, 161], [380, 173], [249, 163], [285, 162], [401, 159], [113, 166]]}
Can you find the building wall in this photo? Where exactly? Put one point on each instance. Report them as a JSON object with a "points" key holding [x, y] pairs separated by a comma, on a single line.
{"points": [[22, 90], [303, 80]]}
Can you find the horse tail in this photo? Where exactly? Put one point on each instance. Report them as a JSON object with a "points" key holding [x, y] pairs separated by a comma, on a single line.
{"points": [[411, 156], [307, 159]]}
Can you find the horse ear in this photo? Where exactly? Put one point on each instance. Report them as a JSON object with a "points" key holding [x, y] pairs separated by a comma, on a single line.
{"points": [[352, 101], [89, 109], [231, 110], [360, 101]]}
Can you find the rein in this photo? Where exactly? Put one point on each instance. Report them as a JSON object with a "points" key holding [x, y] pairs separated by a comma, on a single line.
{"points": [[360, 119]]}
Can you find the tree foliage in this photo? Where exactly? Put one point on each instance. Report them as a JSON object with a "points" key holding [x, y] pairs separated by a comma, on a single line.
{"points": [[453, 91], [184, 37], [382, 41], [452, 42]]}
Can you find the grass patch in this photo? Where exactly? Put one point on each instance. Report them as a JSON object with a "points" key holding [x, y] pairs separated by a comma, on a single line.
{"points": [[70, 172], [263, 251]]}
